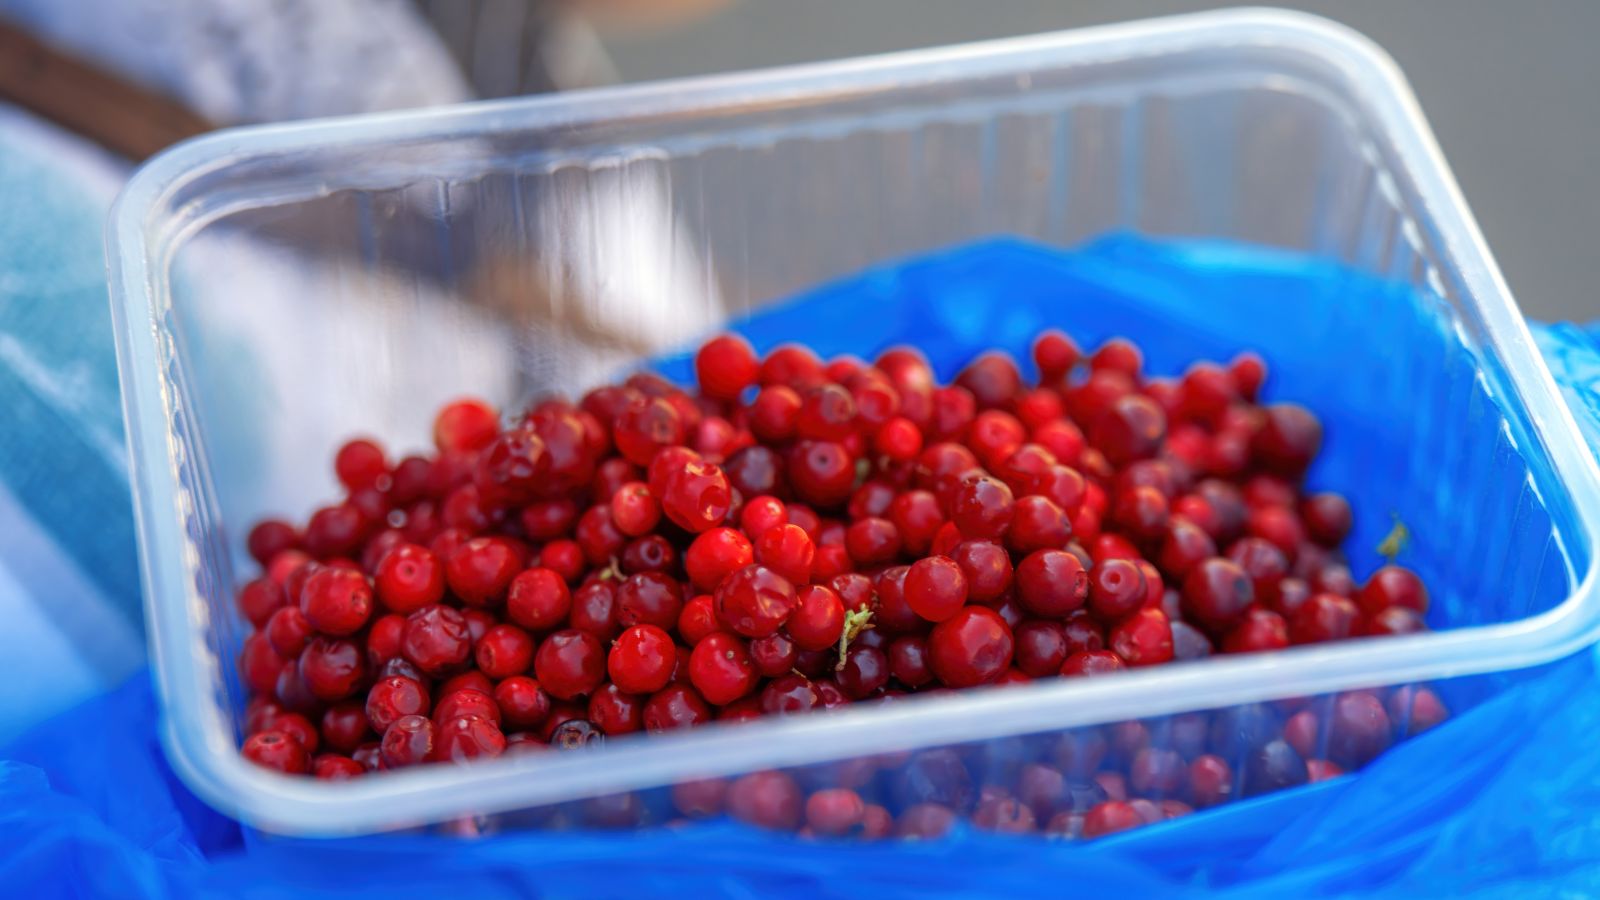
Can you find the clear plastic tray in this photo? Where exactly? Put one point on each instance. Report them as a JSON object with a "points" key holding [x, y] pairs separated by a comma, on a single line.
{"points": [[278, 288]]}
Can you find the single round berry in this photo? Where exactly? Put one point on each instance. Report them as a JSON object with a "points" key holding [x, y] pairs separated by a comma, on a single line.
{"points": [[1258, 631], [278, 751], [1130, 428], [971, 647], [1324, 617], [1041, 648], [935, 588], [407, 742], [522, 702], [332, 668], [436, 640], [649, 598], [538, 599], [270, 537], [641, 660], [1092, 662], [1051, 583], [570, 664], [644, 426], [336, 601], [818, 618], [1143, 638], [788, 551], [408, 578], [715, 554], [1393, 586], [594, 610], [982, 508], [827, 413], [696, 496], [393, 698], [465, 425], [720, 668], [1116, 588], [865, 672], [822, 473], [503, 651], [755, 601], [1038, 524], [1217, 592], [1110, 817], [480, 571], [1288, 439], [511, 471], [466, 738], [634, 509], [675, 706], [725, 366], [1327, 518]]}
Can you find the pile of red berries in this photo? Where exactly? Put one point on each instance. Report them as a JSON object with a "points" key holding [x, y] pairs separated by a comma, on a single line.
{"points": [[797, 535]]}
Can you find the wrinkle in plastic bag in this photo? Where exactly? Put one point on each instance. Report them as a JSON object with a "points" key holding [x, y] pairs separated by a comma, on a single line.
{"points": [[1501, 800]]}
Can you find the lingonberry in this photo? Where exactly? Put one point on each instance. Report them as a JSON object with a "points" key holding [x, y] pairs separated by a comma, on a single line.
{"points": [[872, 541], [538, 599], [570, 663], [992, 378], [336, 601], [503, 651], [598, 536], [969, 647], [259, 599], [615, 712], [818, 618], [898, 439], [278, 751], [716, 553], [394, 697], [774, 654], [994, 436], [935, 588], [953, 411], [465, 425], [675, 706], [634, 509], [1259, 630], [288, 631], [755, 601], [1116, 587], [649, 598], [1217, 592], [696, 496], [725, 366], [1324, 617], [336, 767], [344, 726], [1334, 579], [436, 640], [332, 668], [1393, 586], [785, 694], [594, 610], [1327, 518], [1143, 638], [865, 672], [641, 660], [1110, 817], [765, 799], [788, 551], [1038, 523], [1041, 648], [1287, 440], [644, 426], [720, 668], [522, 702], [698, 618], [269, 538], [1210, 780], [407, 742]]}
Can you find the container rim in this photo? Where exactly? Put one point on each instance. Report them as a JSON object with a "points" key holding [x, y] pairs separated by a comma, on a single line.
{"points": [[198, 736]]}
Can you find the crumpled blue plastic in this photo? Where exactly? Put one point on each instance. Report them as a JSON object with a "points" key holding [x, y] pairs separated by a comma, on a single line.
{"points": [[1503, 800]]}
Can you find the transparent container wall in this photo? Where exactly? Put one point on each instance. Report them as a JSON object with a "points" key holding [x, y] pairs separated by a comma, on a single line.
{"points": [[351, 288]]}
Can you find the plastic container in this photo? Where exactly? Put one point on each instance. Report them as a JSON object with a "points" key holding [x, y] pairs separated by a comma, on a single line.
{"points": [[509, 247]]}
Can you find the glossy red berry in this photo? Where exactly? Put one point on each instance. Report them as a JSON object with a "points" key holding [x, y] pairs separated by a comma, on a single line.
{"points": [[1217, 592], [1143, 638], [1393, 586], [935, 588], [408, 578], [970, 647], [755, 601], [570, 664], [332, 668], [1288, 439], [522, 702], [394, 697], [616, 712], [1092, 662], [1130, 428], [982, 508], [715, 554], [641, 660], [720, 668], [436, 640], [1041, 648], [538, 599], [1117, 587], [1110, 817], [466, 738], [1258, 631], [465, 425], [675, 706], [503, 651], [696, 496], [1324, 617], [788, 551], [336, 601], [277, 751], [725, 366]]}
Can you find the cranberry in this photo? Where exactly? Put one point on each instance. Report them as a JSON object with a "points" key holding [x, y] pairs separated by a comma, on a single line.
{"points": [[407, 742], [503, 651], [288, 631], [1092, 662], [1109, 818], [1393, 586], [898, 439], [1324, 617], [547, 520], [982, 508], [277, 750], [822, 473], [465, 425], [522, 702], [649, 598], [332, 668], [641, 660], [755, 601], [1184, 546], [717, 553], [570, 664], [408, 578], [436, 640], [970, 647], [1116, 587], [344, 726], [773, 655], [1054, 354], [1288, 439], [1272, 767], [697, 496], [1038, 523], [1217, 592], [935, 588], [1041, 648], [1210, 780], [754, 471], [788, 694], [725, 366], [465, 701], [1263, 561], [1327, 518], [394, 697], [675, 706], [259, 599], [634, 509], [511, 470], [1082, 632], [818, 618], [538, 599], [787, 551], [467, 737], [1143, 639], [1141, 512], [645, 425], [872, 541], [864, 673], [594, 610], [1130, 428], [615, 712], [270, 537], [480, 571], [721, 669], [1288, 596], [1358, 729], [1259, 630], [765, 799], [336, 601]]}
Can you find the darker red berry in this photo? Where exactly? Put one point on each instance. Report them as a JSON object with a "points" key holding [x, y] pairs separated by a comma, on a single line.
{"points": [[970, 647]]}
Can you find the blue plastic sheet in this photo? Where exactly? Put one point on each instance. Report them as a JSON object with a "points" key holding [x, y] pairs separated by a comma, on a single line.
{"points": [[1503, 800]]}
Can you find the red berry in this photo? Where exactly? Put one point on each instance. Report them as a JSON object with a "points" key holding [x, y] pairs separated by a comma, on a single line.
{"points": [[644, 426], [1054, 354], [898, 439], [1041, 648], [1116, 588], [1324, 617], [465, 425], [872, 541], [616, 712], [720, 668], [332, 668], [766, 800], [594, 610], [512, 470], [1130, 428], [788, 551], [649, 598], [538, 600], [503, 651], [467, 737], [480, 571], [1216, 592], [394, 697], [1259, 630], [1288, 439], [755, 601], [1210, 780], [1038, 524], [408, 578], [570, 664], [522, 702], [335, 767], [864, 673], [1327, 518], [436, 640], [1393, 586], [634, 509], [278, 751], [818, 618], [698, 619], [827, 413], [336, 601], [1141, 512], [1142, 639], [725, 366], [641, 660], [675, 706], [715, 554], [935, 588], [270, 537], [971, 647], [1109, 818], [834, 812], [822, 473], [1051, 583], [288, 631], [1092, 662]]}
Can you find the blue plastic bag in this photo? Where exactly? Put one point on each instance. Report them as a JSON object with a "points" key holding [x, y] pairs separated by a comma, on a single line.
{"points": [[1501, 800]]}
